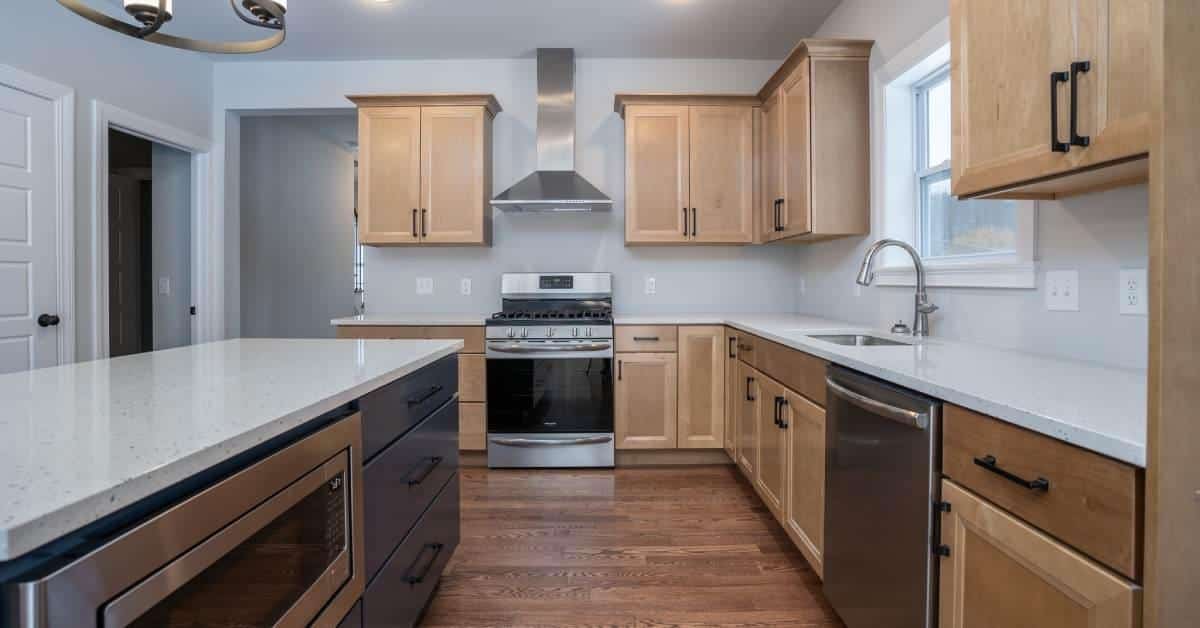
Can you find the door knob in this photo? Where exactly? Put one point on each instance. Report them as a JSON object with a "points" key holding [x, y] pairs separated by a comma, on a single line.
{"points": [[46, 320]]}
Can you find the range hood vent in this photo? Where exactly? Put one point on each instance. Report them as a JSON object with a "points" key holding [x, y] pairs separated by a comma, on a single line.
{"points": [[554, 186]]}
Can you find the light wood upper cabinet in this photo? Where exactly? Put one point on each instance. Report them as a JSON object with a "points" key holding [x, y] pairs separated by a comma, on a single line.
{"points": [[1002, 572], [770, 203], [425, 169], [747, 418], [770, 478], [795, 210], [646, 416], [1003, 56], [702, 356], [804, 510], [722, 174], [657, 168], [732, 390]]}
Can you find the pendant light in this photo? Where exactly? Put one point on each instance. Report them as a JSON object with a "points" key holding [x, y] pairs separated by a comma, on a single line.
{"points": [[152, 14]]}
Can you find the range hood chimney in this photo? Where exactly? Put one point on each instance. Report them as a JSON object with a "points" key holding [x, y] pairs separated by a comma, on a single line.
{"points": [[554, 186]]}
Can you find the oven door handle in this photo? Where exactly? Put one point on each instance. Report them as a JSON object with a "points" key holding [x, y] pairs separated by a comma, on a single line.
{"points": [[552, 442], [550, 348]]}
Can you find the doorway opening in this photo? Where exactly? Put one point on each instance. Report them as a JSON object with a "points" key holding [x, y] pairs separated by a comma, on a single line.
{"points": [[149, 240]]}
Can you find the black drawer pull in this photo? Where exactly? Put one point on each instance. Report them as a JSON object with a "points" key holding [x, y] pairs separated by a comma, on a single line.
{"points": [[1055, 145], [989, 463], [1076, 68], [416, 401], [419, 578], [732, 347], [749, 383], [429, 465], [646, 339], [783, 403]]}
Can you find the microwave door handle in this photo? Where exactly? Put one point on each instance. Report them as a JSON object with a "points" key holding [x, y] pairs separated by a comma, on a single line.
{"points": [[919, 420]]}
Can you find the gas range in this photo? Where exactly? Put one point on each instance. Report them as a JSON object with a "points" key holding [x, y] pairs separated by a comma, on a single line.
{"points": [[550, 372]]}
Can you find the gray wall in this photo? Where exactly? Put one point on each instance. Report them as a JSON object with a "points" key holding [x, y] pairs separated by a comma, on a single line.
{"points": [[171, 254], [297, 225], [1095, 234]]}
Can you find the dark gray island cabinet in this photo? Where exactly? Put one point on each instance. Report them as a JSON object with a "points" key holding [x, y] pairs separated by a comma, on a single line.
{"points": [[345, 518]]}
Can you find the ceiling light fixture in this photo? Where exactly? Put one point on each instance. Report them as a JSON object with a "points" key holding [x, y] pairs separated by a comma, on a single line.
{"points": [[152, 14]]}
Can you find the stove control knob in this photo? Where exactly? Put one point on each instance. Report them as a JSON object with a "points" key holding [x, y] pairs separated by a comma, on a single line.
{"points": [[575, 331], [549, 332], [511, 333], [588, 332], [524, 333]]}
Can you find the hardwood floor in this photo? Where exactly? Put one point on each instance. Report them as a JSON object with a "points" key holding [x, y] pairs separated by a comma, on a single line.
{"points": [[678, 546]]}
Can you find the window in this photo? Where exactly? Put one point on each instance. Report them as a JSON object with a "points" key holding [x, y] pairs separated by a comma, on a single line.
{"points": [[947, 227]]}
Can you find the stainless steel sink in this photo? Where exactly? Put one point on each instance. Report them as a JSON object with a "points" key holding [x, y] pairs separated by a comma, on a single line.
{"points": [[859, 340]]}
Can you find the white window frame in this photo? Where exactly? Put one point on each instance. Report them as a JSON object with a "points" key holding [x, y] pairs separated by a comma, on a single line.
{"points": [[896, 196]]}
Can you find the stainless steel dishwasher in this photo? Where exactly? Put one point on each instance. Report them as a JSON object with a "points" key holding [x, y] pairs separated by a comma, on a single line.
{"points": [[881, 489]]}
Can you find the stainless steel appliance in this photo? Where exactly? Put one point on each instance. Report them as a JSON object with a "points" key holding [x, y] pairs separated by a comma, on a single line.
{"points": [[881, 493], [550, 372], [276, 544]]}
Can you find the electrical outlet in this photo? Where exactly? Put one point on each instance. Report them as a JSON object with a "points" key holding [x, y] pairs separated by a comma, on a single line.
{"points": [[1062, 290], [464, 287], [164, 286], [424, 285], [651, 286], [1132, 292]]}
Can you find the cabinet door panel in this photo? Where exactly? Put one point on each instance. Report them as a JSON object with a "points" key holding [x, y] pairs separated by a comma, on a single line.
{"points": [[805, 507], [453, 174], [646, 388], [747, 419], [797, 152], [656, 173], [732, 391], [701, 387], [1002, 572], [722, 173], [390, 174], [771, 474], [772, 164]]}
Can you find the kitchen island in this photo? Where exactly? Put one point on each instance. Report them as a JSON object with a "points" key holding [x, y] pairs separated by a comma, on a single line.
{"points": [[93, 452]]}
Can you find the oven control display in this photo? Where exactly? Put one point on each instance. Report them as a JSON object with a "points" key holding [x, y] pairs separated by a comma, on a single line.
{"points": [[556, 282]]}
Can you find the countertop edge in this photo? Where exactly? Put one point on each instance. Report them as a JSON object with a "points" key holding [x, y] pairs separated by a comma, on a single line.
{"points": [[20, 538]]}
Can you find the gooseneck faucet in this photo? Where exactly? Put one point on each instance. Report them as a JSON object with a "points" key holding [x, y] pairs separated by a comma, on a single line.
{"points": [[922, 307]]}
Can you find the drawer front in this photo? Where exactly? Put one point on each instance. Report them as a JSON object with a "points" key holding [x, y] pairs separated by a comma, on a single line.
{"points": [[398, 595], [794, 369], [647, 338], [1092, 502], [401, 482], [396, 408], [746, 348], [472, 337], [353, 619], [472, 378]]}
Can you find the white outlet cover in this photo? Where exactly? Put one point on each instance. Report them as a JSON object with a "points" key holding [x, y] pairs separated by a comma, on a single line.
{"points": [[1131, 292], [164, 286], [424, 285], [1062, 290], [651, 285], [464, 287]]}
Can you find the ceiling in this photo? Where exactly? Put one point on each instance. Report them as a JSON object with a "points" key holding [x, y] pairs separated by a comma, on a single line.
{"points": [[476, 29]]}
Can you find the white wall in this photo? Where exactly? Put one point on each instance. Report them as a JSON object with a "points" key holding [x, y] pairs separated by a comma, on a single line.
{"points": [[1095, 234], [689, 279], [175, 87], [171, 250], [297, 224]]}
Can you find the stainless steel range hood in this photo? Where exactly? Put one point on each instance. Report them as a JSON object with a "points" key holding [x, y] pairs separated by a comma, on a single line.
{"points": [[554, 186]]}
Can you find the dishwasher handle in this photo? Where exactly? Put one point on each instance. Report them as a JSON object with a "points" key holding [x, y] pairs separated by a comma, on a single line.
{"points": [[919, 420]]}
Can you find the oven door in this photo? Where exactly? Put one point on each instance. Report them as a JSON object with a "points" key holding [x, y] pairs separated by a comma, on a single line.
{"points": [[550, 386]]}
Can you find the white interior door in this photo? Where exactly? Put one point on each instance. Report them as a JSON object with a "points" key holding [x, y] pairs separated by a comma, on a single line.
{"points": [[28, 232]]}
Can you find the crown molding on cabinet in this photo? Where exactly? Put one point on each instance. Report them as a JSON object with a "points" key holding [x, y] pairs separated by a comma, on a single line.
{"points": [[428, 100], [815, 48], [621, 101]]}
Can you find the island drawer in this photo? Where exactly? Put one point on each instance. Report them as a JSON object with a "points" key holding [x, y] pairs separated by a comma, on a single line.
{"points": [[404, 585], [394, 409], [647, 338], [401, 481], [1088, 501]]}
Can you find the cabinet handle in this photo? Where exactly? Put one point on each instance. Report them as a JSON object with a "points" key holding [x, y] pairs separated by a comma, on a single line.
{"points": [[418, 579], [749, 383], [775, 227], [1055, 79], [732, 348], [414, 222], [424, 223], [620, 368], [695, 221], [428, 464], [989, 462], [645, 338], [685, 222], [783, 403], [1077, 67]]}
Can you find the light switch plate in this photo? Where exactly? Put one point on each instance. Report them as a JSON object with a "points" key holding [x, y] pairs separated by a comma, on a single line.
{"points": [[1132, 292], [1062, 290], [464, 286], [424, 285], [164, 286], [651, 285]]}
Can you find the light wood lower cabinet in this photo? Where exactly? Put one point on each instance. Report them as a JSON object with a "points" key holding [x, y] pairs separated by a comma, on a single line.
{"points": [[1002, 572], [804, 508], [646, 410], [774, 417], [472, 378], [732, 389], [702, 351], [472, 426], [747, 419]]}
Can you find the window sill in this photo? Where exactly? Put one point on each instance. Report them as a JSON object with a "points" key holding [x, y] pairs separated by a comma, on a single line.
{"points": [[996, 275]]}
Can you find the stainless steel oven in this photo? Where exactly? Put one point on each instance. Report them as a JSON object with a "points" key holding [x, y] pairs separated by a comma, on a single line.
{"points": [[550, 373], [276, 544]]}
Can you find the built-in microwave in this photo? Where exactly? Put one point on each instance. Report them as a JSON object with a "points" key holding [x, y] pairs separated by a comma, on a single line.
{"points": [[278, 543]]}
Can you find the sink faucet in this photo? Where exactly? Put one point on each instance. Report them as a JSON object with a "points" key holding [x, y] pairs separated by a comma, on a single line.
{"points": [[922, 307]]}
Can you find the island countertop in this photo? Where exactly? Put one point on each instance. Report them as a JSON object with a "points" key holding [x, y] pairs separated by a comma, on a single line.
{"points": [[82, 441]]}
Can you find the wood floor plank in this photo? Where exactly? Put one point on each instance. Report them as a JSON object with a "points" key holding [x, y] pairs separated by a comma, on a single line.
{"points": [[640, 547]]}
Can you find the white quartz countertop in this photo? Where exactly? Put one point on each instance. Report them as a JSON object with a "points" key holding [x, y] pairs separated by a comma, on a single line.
{"points": [[82, 441], [434, 319], [1096, 407]]}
